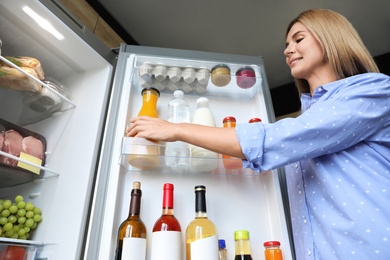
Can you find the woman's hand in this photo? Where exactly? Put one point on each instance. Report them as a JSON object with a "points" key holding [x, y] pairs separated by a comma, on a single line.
{"points": [[151, 128]]}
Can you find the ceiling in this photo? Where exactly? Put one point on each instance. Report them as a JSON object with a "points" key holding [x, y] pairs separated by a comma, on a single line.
{"points": [[246, 27]]}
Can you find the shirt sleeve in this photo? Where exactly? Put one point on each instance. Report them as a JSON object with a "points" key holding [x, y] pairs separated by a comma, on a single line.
{"points": [[340, 118]]}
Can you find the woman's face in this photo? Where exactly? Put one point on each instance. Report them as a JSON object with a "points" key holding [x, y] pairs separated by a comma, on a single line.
{"points": [[303, 53]]}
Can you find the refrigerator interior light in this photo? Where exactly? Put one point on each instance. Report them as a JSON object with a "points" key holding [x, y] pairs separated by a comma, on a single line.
{"points": [[45, 24]]}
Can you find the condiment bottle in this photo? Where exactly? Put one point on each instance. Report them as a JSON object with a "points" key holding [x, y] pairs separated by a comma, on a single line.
{"points": [[223, 255], [272, 250], [230, 163], [243, 251], [146, 156]]}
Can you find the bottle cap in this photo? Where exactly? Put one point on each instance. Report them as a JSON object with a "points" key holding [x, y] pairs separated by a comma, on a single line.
{"points": [[200, 188], [221, 243], [241, 235], [271, 243], [178, 93], [229, 119], [202, 99], [168, 186], [152, 89], [136, 185], [254, 120]]}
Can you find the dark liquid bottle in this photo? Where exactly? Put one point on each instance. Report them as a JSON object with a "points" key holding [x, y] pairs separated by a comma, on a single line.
{"points": [[131, 242], [243, 251]]}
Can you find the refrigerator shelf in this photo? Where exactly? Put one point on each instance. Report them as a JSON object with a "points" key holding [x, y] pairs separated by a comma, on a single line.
{"points": [[150, 156], [33, 106]]}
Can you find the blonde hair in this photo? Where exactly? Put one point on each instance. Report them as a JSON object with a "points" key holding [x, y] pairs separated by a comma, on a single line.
{"points": [[341, 45]]}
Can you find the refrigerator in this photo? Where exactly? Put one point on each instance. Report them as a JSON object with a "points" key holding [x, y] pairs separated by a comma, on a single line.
{"points": [[83, 187]]}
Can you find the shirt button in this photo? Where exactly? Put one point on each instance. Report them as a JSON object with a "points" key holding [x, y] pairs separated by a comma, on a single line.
{"points": [[304, 221], [308, 251], [299, 192], [296, 165]]}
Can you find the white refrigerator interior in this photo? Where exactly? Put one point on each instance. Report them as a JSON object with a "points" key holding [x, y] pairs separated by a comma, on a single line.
{"points": [[83, 188], [236, 199], [73, 133]]}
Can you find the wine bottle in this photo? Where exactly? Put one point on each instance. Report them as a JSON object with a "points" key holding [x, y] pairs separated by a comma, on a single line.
{"points": [[201, 233], [243, 251], [166, 237], [131, 243]]}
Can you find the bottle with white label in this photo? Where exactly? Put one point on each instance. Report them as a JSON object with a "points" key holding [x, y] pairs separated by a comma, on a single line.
{"points": [[166, 237], [177, 154], [203, 159], [201, 233], [131, 243]]}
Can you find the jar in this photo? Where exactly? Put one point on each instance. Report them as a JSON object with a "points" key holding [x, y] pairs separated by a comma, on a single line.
{"points": [[246, 77], [272, 250], [220, 75]]}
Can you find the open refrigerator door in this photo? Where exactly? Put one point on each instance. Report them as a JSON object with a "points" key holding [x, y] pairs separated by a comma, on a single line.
{"points": [[237, 199], [64, 110]]}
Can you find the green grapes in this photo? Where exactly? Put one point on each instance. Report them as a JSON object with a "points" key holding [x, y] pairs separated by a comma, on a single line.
{"points": [[18, 218]]}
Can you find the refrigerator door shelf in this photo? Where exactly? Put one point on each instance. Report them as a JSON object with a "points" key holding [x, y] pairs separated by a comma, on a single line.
{"points": [[151, 157], [199, 83]]}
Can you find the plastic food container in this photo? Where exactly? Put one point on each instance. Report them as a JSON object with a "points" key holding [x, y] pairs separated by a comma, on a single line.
{"points": [[220, 75], [246, 77]]}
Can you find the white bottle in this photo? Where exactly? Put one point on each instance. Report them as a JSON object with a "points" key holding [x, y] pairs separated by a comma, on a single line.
{"points": [[203, 159], [177, 154]]}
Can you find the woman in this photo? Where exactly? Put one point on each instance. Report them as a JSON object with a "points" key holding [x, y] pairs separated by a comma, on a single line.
{"points": [[336, 153]]}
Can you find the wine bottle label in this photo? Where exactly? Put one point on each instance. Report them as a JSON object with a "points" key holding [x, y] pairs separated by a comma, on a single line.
{"points": [[134, 248], [166, 245], [205, 249]]}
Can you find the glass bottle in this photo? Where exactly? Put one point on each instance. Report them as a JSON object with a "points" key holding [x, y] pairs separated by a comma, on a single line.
{"points": [[230, 163], [223, 255], [166, 235], [146, 156], [131, 242], [203, 159], [243, 251], [272, 250], [201, 233]]}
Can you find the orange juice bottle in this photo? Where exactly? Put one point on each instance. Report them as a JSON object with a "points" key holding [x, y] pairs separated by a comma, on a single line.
{"points": [[146, 156], [229, 162], [272, 250]]}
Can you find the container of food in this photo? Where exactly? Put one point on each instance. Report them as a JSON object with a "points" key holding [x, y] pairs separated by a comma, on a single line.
{"points": [[246, 77], [220, 75]]}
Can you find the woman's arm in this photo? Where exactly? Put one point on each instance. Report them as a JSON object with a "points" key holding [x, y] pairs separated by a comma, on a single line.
{"points": [[217, 139]]}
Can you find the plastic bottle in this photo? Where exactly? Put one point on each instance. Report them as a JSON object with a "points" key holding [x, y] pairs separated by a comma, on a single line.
{"points": [[223, 255], [203, 159], [243, 251], [272, 250], [229, 162], [177, 154]]}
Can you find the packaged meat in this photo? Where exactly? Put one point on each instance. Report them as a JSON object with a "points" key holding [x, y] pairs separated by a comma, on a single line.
{"points": [[2, 132], [14, 79], [28, 62], [12, 145], [22, 143]]}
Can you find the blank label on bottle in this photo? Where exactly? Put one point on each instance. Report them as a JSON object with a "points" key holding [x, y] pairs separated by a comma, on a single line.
{"points": [[205, 249], [166, 245], [134, 248]]}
